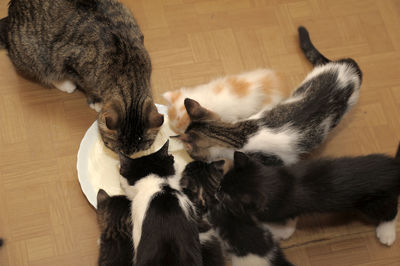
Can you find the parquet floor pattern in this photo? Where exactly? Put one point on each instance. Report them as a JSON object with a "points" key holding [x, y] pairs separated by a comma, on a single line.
{"points": [[46, 220]]}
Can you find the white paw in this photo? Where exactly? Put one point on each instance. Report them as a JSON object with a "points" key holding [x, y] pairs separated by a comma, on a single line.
{"points": [[386, 232], [96, 106], [282, 231], [66, 86], [98, 241]]}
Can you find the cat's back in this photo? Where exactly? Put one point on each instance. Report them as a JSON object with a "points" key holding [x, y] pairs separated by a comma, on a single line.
{"points": [[59, 29], [169, 231]]}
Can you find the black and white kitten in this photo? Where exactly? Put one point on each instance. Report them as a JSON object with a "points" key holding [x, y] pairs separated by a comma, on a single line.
{"points": [[246, 242], [115, 222], [369, 184], [295, 126], [165, 228], [114, 219]]}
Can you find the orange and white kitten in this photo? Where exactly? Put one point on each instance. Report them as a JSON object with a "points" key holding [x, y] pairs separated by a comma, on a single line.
{"points": [[233, 97]]}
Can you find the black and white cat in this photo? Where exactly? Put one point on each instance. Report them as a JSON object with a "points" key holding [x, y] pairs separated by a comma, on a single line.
{"points": [[165, 227], [369, 184], [295, 126], [246, 242]]}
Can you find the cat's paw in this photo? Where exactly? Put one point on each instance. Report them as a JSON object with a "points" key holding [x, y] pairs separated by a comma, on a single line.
{"points": [[96, 106], [282, 231], [66, 86], [386, 232]]}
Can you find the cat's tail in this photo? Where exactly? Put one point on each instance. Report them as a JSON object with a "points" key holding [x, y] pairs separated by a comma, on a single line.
{"points": [[312, 54], [1, 242], [3, 33], [397, 156]]}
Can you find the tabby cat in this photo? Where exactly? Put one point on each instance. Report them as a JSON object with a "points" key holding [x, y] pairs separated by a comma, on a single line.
{"points": [[233, 97], [114, 219], [95, 46], [295, 126]]}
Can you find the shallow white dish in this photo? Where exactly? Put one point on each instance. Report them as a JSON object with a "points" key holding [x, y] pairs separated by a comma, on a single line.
{"points": [[108, 161]]}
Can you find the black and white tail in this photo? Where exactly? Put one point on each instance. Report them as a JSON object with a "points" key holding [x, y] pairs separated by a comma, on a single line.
{"points": [[312, 54], [3, 33]]}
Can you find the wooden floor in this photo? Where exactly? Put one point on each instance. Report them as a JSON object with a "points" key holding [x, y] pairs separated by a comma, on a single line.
{"points": [[46, 220]]}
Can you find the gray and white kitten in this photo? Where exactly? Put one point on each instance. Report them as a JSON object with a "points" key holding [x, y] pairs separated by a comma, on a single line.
{"points": [[295, 126], [95, 46]]}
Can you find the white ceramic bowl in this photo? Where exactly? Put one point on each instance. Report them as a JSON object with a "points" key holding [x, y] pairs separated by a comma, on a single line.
{"points": [[97, 166]]}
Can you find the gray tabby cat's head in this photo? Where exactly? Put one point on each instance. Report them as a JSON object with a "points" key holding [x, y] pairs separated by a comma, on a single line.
{"points": [[205, 131], [129, 128]]}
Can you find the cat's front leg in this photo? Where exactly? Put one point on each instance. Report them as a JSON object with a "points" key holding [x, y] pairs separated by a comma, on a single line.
{"points": [[65, 85], [282, 231]]}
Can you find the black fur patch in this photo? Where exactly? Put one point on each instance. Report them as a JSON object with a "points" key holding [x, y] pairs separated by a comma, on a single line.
{"points": [[370, 184], [159, 163], [168, 237]]}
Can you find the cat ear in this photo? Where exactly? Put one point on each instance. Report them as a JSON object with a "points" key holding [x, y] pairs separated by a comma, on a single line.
{"points": [[223, 166], [197, 113], [219, 165], [240, 160], [163, 152], [101, 197], [154, 118], [111, 116]]}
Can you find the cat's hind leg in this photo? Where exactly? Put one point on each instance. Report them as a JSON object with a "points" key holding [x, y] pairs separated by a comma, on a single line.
{"points": [[65, 85], [386, 231], [385, 212]]}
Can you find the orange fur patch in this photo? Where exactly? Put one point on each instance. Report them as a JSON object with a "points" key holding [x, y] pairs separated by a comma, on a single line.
{"points": [[218, 88], [183, 123], [239, 87], [174, 96], [268, 86], [182, 109], [172, 113]]}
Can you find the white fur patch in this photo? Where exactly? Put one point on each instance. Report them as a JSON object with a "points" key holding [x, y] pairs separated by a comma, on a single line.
{"points": [[207, 236], [386, 232], [281, 142], [282, 231], [346, 73], [249, 260], [96, 106], [141, 195], [184, 201], [66, 86]]}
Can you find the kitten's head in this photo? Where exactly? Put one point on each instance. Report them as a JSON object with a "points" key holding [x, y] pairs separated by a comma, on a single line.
{"points": [[114, 219], [160, 163], [241, 190], [129, 128], [204, 131], [177, 116], [200, 181]]}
